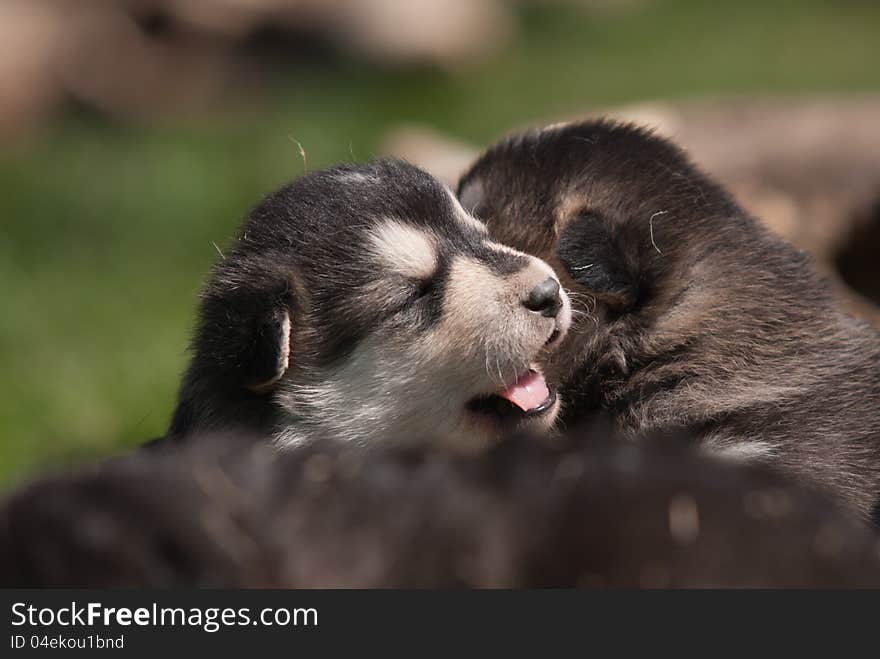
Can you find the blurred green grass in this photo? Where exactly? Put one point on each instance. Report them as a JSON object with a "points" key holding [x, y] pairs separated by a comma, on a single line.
{"points": [[107, 229]]}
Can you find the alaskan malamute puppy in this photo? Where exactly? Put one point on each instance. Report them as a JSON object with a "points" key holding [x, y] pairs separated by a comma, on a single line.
{"points": [[692, 317], [362, 303]]}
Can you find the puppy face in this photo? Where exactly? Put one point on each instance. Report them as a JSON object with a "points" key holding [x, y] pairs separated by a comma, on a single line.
{"points": [[621, 215], [364, 304]]}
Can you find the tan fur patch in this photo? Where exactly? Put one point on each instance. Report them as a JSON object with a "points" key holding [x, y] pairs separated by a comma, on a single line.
{"points": [[405, 249], [483, 313], [570, 204], [471, 288]]}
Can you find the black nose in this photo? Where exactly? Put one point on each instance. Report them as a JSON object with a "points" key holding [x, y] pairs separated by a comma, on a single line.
{"points": [[544, 298]]}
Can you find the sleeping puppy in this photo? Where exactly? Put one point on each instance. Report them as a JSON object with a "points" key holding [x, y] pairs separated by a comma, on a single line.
{"points": [[689, 314], [361, 303], [231, 513]]}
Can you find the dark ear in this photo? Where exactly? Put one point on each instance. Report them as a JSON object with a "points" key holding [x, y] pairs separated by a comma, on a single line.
{"points": [[244, 338], [592, 259], [470, 195], [268, 356]]}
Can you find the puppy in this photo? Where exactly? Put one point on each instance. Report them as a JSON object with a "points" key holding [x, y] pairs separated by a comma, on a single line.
{"points": [[689, 314], [362, 303], [527, 514]]}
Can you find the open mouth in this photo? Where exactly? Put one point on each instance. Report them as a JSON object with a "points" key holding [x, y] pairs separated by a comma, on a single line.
{"points": [[528, 397]]}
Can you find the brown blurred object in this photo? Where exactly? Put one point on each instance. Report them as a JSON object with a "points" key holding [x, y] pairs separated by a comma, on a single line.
{"points": [[30, 32], [445, 157], [446, 32], [809, 168], [112, 65], [143, 58], [408, 31]]}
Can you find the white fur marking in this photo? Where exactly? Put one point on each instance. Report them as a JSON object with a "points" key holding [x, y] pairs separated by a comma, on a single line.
{"points": [[404, 248], [356, 177], [744, 451]]}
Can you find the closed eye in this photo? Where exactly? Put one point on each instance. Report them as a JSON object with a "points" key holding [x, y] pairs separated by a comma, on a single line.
{"points": [[424, 287], [593, 258], [588, 216]]}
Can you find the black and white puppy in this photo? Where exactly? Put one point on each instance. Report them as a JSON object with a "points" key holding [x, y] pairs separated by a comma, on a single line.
{"points": [[690, 314], [363, 303]]}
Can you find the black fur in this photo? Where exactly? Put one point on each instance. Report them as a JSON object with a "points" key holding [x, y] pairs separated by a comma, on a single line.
{"points": [[232, 513], [589, 254]]}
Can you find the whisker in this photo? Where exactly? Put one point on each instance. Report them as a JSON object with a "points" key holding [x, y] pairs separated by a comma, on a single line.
{"points": [[651, 228]]}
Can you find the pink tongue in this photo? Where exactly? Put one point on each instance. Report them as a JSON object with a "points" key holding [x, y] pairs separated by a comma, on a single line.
{"points": [[528, 392]]}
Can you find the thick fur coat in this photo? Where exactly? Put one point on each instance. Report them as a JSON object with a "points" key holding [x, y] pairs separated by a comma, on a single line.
{"points": [[690, 315]]}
